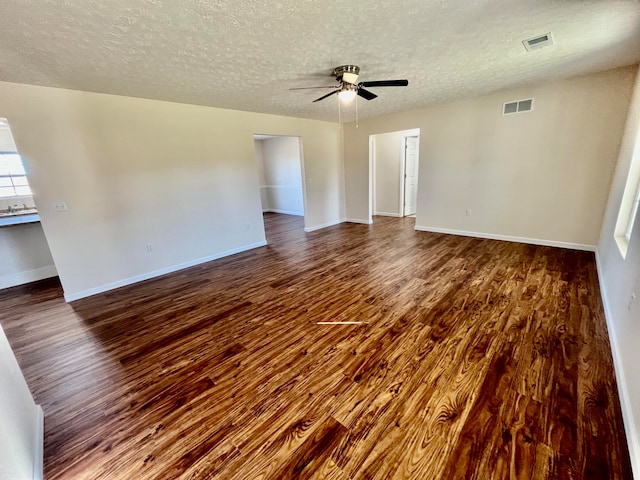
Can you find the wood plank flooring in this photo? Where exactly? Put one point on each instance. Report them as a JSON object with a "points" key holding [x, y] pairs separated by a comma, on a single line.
{"points": [[478, 359]]}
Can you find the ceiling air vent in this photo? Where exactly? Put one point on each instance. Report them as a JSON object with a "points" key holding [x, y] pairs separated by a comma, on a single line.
{"points": [[518, 106], [536, 43]]}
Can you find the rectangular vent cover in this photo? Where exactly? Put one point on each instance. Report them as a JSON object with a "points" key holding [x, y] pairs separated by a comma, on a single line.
{"points": [[536, 43], [518, 106]]}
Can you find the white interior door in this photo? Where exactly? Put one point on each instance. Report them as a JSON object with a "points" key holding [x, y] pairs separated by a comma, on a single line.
{"points": [[410, 174]]}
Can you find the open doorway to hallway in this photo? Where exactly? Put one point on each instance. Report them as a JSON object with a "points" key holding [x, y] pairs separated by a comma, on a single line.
{"points": [[393, 165], [280, 175], [26, 256]]}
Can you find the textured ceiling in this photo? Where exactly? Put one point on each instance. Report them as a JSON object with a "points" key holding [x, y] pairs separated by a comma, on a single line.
{"points": [[246, 54]]}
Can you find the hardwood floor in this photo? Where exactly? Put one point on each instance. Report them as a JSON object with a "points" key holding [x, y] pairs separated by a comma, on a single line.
{"points": [[478, 359]]}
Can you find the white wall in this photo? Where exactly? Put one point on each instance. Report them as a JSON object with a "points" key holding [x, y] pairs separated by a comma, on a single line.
{"points": [[619, 279], [133, 172], [542, 176], [388, 165], [282, 171], [25, 255], [20, 421]]}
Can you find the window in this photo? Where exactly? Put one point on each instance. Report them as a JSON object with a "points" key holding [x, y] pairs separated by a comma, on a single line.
{"points": [[13, 179], [629, 208], [634, 213]]}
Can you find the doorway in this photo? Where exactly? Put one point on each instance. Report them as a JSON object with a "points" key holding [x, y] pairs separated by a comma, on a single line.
{"points": [[26, 256], [280, 175], [410, 187], [393, 173]]}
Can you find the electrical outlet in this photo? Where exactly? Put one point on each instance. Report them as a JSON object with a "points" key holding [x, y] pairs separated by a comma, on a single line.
{"points": [[149, 248], [60, 207], [247, 226], [633, 297], [468, 212]]}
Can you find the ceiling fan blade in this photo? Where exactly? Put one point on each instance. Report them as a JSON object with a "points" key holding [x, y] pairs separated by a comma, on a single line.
{"points": [[309, 88], [386, 83], [366, 94], [325, 96]]}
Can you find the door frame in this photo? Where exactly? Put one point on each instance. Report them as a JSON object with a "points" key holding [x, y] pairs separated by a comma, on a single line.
{"points": [[410, 132], [403, 167], [302, 169], [372, 176]]}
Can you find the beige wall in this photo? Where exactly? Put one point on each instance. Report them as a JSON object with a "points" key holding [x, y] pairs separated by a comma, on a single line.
{"points": [[619, 280], [25, 255], [541, 176], [133, 172], [388, 158]]}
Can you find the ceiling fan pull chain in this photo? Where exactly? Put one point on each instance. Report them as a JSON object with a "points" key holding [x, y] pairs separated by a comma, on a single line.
{"points": [[356, 111], [339, 111]]}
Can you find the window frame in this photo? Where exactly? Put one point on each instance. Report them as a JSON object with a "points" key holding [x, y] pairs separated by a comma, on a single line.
{"points": [[632, 215]]}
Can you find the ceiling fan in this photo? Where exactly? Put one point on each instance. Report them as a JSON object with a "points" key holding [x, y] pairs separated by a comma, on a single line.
{"points": [[348, 88]]}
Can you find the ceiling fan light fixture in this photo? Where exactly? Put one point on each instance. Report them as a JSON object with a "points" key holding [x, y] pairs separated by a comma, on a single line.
{"points": [[350, 77], [347, 95]]}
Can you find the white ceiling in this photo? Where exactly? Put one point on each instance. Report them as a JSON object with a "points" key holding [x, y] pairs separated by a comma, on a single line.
{"points": [[246, 54]]}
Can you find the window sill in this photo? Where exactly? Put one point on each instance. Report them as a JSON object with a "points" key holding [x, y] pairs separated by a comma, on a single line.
{"points": [[623, 245], [10, 220]]}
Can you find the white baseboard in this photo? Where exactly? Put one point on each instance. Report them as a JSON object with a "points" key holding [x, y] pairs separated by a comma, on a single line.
{"points": [[358, 220], [28, 276], [633, 441], [286, 212], [70, 297], [387, 214], [38, 450], [324, 225], [508, 238]]}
